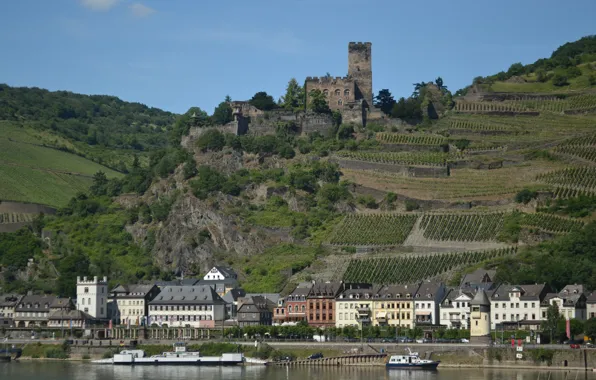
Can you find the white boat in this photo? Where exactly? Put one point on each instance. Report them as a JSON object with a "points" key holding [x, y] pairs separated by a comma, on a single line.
{"points": [[178, 357], [410, 361]]}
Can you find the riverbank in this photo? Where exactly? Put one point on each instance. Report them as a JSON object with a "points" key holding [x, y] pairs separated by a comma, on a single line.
{"points": [[450, 357]]}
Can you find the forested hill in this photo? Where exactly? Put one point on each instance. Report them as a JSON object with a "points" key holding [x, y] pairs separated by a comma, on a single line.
{"points": [[94, 120]]}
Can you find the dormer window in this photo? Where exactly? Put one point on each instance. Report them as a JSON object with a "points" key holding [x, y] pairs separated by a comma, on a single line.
{"points": [[417, 295], [429, 295]]}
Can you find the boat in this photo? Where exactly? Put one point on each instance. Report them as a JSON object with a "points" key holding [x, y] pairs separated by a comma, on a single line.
{"points": [[410, 361], [180, 356]]}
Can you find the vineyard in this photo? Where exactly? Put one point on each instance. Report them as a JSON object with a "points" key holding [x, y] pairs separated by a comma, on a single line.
{"points": [[581, 140], [479, 107], [465, 227], [587, 153], [550, 223], [400, 270], [403, 158], [373, 229], [394, 138], [14, 217], [575, 178], [583, 102]]}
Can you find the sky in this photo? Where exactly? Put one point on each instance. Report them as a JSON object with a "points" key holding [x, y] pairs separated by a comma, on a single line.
{"points": [[176, 54]]}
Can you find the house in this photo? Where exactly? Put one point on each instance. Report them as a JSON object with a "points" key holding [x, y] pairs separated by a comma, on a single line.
{"points": [[131, 302], [354, 305], [255, 311], [571, 301], [394, 305], [517, 306], [63, 314], [92, 296], [480, 278], [426, 304], [220, 273], [455, 308], [192, 306], [591, 306], [295, 305], [8, 302], [279, 312], [33, 310], [321, 303], [231, 300]]}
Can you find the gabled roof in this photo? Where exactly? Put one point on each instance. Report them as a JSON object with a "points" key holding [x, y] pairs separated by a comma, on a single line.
{"points": [[428, 290], [535, 292], [591, 298], [61, 303], [480, 299], [325, 289], [357, 291], [232, 295], [479, 276], [227, 272], [570, 295], [273, 297], [9, 300], [184, 282], [398, 292], [38, 303], [453, 293], [132, 291], [69, 315], [187, 295], [256, 304]]}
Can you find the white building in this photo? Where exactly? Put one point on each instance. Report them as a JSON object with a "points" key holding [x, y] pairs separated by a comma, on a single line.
{"points": [[427, 301], [353, 306], [591, 306], [192, 306], [455, 308], [131, 302], [517, 305], [571, 302], [220, 273], [92, 296]]}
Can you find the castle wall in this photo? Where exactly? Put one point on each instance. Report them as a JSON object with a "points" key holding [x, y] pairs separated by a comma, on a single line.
{"points": [[338, 90]]}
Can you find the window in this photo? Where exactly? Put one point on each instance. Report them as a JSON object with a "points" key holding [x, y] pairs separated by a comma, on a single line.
{"points": [[337, 92], [525, 304], [339, 102], [496, 305], [83, 301], [326, 92], [303, 308], [504, 317], [533, 317], [476, 323], [290, 308], [86, 290], [512, 305], [346, 93], [497, 316]]}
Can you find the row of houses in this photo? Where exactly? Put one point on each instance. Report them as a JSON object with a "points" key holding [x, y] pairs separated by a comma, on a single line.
{"points": [[217, 300]]}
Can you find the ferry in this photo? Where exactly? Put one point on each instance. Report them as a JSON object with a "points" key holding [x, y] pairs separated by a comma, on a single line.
{"points": [[410, 361], [180, 356]]}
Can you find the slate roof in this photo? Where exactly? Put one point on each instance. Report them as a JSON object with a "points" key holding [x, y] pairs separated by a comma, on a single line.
{"points": [[535, 292], [9, 300], [58, 315], [38, 303], [357, 290], [303, 290], [132, 291], [479, 276], [398, 292], [428, 290], [480, 299], [454, 292], [184, 282], [273, 297], [227, 272], [256, 304], [325, 289], [591, 298], [187, 295], [570, 295], [232, 295], [61, 303]]}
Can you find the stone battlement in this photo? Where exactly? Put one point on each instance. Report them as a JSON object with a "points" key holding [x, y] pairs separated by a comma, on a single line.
{"points": [[93, 281], [328, 79]]}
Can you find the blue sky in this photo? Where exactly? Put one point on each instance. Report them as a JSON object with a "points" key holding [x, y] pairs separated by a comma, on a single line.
{"points": [[175, 54]]}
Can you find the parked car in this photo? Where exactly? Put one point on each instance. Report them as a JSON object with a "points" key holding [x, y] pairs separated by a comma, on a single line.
{"points": [[574, 345], [318, 355], [590, 345], [464, 340]]}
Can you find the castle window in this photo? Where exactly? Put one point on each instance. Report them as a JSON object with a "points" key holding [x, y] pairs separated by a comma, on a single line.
{"points": [[346, 92], [326, 92], [337, 92], [339, 102]]}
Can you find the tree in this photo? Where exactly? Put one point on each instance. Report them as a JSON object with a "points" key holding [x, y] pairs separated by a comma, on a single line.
{"points": [[190, 168], [384, 100], [318, 101], [592, 79], [440, 85], [294, 97], [590, 329], [541, 75], [417, 88], [552, 320], [263, 101], [560, 80], [211, 139], [99, 185], [222, 113], [515, 69]]}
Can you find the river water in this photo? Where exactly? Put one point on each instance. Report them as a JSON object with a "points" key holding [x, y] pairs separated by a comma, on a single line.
{"points": [[39, 370]]}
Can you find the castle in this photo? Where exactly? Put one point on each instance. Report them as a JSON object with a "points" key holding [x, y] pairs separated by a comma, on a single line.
{"points": [[352, 93]]}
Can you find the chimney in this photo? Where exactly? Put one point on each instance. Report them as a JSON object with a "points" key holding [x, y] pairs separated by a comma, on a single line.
{"points": [[78, 278], [105, 278], [94, 278], [85, 278]]}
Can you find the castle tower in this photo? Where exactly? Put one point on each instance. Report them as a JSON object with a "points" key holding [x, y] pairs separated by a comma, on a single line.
{"points": [[92, 296], [360, 69], [480, 318]]}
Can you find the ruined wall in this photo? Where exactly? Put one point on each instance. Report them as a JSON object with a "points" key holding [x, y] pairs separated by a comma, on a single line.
{"points": [[409, 171], [245, 109], [306, 122], [338, 90], [360, 69], [311, 122]]}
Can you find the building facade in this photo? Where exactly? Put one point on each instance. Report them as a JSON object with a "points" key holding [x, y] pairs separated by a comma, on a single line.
{"points": [[591, 306], [255, 311], [193, 306], [571, 301], [296, 304], [131, 302], [92, 296], [480, 318], [394, 305], [455, 308], [321, 303], [518, 306], [8, 303], [427, 302], [33, 310], [354, 305]]}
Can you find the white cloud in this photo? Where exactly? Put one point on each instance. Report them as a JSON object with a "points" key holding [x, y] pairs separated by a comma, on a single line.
{"points": [[140, 10], [99, 5]]}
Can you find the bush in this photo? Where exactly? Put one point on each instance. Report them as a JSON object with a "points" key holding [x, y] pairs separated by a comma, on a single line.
{"points": [[573, 72], [55, 353], [462, 144], [411, 205], [541, 75], [345, 132], [560, 80], [525, 196], [368, 201], [592, 79], [212, 139]]}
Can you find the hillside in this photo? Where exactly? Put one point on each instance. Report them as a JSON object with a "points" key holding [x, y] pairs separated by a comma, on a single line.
{"points": [[497, 178]]}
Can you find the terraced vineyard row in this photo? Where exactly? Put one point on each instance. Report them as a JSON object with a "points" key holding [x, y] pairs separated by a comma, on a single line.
{"points": [[403, 158], [14, 217], [585, 152], [395, 138], [375, 229], [466, 227], [576, 177], [474, 107], [400, 270], [550, 223], [581, 140], [478, 125], [568, 192]]}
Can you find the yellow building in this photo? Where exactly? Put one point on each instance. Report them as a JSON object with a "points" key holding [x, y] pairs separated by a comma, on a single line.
{"points": [[394, 305], [353, 306], [480, 318]]}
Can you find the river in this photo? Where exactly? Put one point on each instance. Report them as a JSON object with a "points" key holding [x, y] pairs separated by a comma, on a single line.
{"points": [[40, 370]]}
